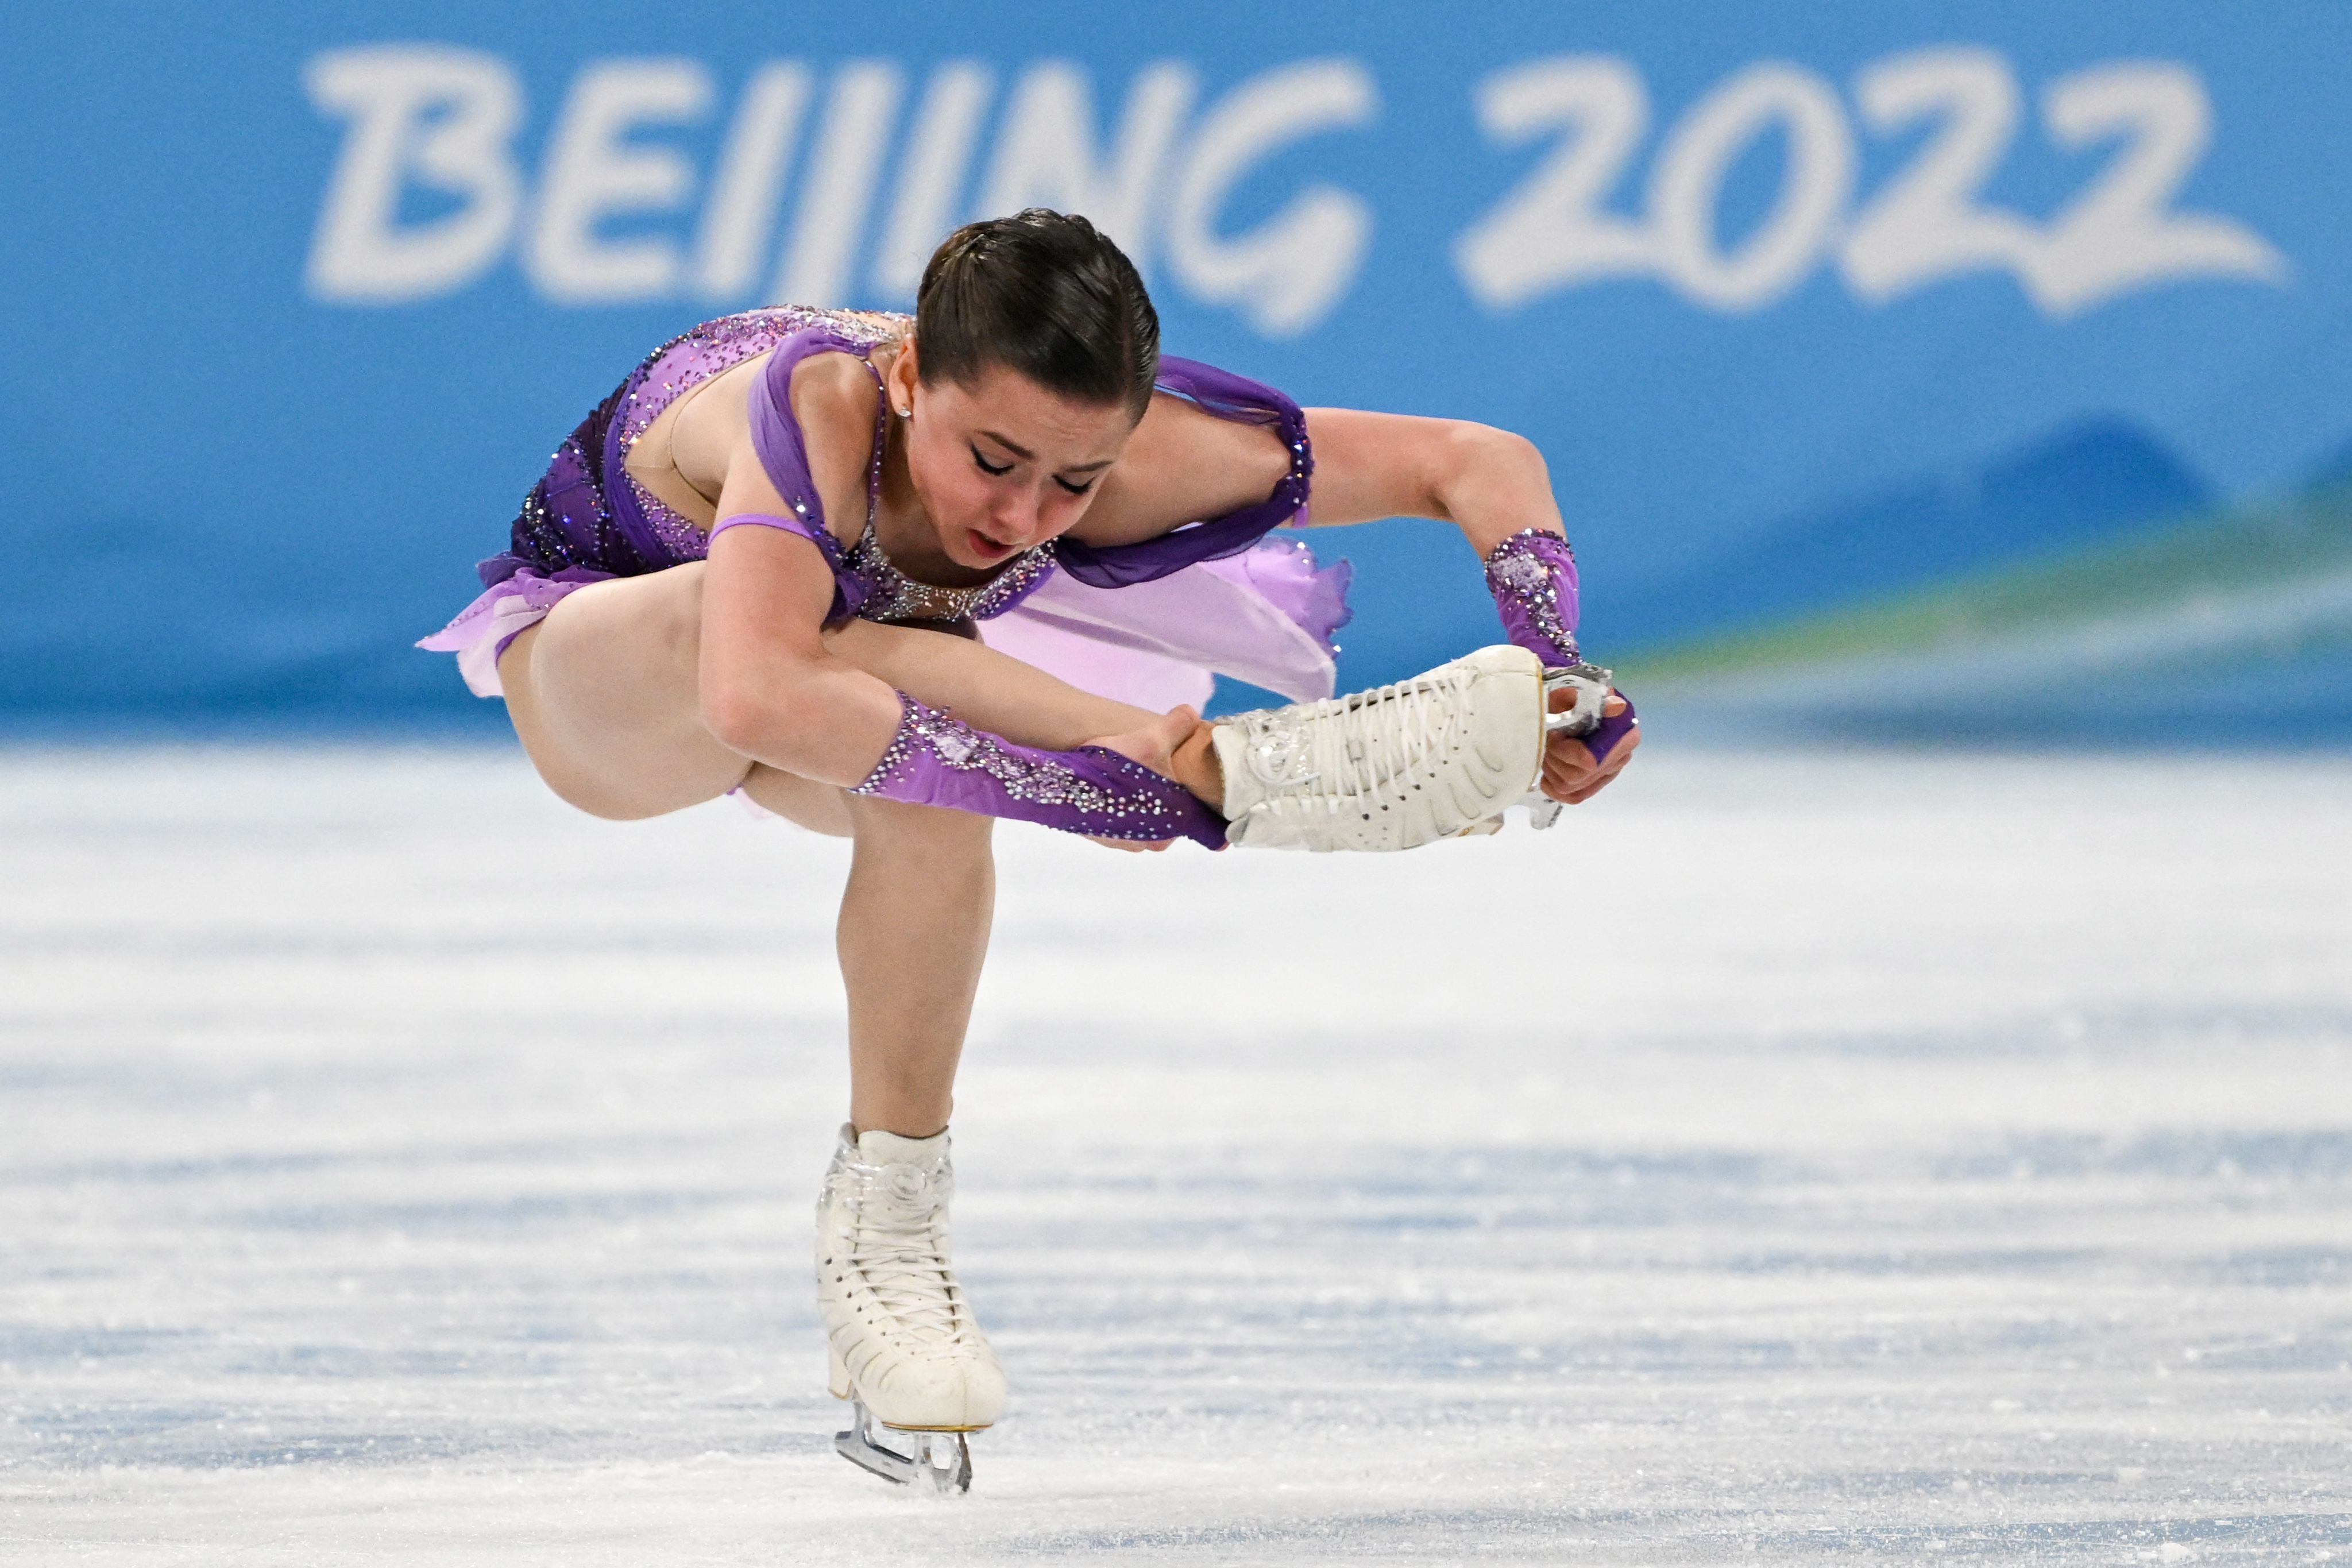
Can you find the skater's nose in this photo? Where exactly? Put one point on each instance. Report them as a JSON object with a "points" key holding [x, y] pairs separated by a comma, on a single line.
{"points": [[1012, 520]]}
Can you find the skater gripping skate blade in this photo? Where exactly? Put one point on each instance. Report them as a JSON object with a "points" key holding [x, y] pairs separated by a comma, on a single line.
{"points": [[762, 565]]}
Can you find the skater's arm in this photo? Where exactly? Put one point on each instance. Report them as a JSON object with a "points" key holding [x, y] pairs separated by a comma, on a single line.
{"points": [[771, 689], [774, 687], [1495, 487], [1489, 483], [1183, 463]]}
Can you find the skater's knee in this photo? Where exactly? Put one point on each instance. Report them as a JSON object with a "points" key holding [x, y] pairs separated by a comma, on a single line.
{"points": [[819, 807], [896, 828]]}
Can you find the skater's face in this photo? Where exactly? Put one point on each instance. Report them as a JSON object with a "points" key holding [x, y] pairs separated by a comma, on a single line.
{"points": [[1002, 464]]}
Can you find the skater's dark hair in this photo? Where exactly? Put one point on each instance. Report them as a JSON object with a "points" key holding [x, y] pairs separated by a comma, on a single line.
{"points": [[1044, 293]]}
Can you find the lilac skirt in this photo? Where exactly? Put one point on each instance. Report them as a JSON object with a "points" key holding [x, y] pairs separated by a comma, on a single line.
{"points": [[1266, 616]]}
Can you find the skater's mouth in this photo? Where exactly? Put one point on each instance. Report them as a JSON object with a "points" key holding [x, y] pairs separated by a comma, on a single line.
{"points": [[987, 549]]}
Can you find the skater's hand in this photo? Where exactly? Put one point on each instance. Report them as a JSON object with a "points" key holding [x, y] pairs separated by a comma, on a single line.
{"points": [[1570, 773], [1154, 745]]}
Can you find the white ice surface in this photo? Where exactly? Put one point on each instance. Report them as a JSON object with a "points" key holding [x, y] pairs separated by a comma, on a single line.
{"points": [[1831, 1159]]}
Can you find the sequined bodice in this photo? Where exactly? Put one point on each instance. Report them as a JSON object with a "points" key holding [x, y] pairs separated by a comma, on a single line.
{"points": [[710, 349], [589, 517], [892, 596]]}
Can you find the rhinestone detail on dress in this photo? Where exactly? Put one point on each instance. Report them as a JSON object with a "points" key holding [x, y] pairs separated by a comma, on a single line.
{"points": [[1124, 800], [892, 596]]}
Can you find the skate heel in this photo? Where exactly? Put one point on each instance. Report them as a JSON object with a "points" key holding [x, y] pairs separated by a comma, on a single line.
{"points": [[837, 1373], [1583, 716], [1586, 687]]}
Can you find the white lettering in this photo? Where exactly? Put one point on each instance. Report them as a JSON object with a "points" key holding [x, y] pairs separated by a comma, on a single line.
{"points": [[1688, 178], [839, 185], [743, 195], [1045, 153], [1287, 274], [1552, 231], [438, 118], [938, 154], [594, 172], [2122, 233], [1930, 221]]}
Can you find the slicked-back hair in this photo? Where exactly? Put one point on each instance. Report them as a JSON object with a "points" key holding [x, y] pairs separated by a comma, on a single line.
{"points": [[1045, 294]]}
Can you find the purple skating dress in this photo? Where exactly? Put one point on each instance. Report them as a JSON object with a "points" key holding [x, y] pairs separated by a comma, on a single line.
{"points": [[1150, 622]]}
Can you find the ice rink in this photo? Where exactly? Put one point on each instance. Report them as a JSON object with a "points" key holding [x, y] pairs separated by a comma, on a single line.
{"points": [[1830, 1159]]}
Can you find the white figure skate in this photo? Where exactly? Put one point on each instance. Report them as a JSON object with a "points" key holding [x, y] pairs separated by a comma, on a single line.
{"points": [[901, 1343], [1439, 756]]}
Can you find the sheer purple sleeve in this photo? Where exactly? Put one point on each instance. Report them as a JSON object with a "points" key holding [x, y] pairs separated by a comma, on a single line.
{"points": [[783, 455], [937, 759], [1532, 576], [1228, 397], [776, 433]]}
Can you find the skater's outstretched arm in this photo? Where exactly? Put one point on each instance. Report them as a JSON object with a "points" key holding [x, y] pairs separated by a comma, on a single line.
{"points": [[1495, 487], [1488, 482]]}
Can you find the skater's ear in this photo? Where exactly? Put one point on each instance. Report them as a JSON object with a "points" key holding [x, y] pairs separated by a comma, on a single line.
{"points": [[899, 381]]}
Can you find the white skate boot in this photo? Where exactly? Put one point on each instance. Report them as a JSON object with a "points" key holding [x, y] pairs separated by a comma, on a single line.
{"points": [[1443, 753], [901, 1344]]}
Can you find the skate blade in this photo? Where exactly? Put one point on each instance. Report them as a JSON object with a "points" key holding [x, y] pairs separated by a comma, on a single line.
{"points": [[939, 1462], [1590, 685]]}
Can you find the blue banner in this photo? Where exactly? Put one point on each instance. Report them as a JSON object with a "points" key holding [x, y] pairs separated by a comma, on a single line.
{"points": [[1903, 369]]}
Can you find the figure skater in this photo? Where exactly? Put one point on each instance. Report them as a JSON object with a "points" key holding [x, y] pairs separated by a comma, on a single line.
{"points": [[759, 566]]}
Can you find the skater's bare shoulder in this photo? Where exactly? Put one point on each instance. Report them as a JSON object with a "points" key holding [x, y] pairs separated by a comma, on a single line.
{"points": [[834, 400], [1182, 465]]}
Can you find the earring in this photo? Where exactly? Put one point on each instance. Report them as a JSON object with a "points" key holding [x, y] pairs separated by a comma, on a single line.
{"points": [[906, 414]]}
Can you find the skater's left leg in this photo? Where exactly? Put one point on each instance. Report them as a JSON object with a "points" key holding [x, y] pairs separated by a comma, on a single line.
{"points": [[913, 933]]}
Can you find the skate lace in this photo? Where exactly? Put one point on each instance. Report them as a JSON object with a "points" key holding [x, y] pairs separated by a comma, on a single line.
{"points": [[895, 1243], [1342, 749]]}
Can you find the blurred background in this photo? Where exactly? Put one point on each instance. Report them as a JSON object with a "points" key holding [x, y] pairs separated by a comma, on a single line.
{"points": [[1904, 372]]}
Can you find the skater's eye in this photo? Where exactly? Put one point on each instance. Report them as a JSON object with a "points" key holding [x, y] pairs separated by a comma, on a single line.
{"points": [[988, 468], [1074, 489]]}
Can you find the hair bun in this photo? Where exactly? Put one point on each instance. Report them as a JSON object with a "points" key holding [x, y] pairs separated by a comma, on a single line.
{"points": [[1045, 294]]}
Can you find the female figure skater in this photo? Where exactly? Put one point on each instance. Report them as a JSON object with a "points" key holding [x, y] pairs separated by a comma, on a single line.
{"points": [[759, 566]]}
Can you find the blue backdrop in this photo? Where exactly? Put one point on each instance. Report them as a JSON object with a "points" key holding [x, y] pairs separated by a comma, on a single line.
{"points": [[1911, 357]]}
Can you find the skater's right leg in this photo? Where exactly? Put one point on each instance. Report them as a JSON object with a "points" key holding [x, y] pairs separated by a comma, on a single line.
{"points": [[604, 694]]}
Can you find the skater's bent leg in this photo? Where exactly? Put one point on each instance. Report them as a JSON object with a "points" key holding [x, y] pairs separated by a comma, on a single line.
{"points": [[604, 695], [913, 933]]}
